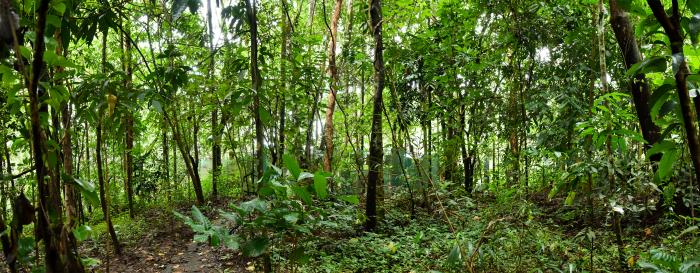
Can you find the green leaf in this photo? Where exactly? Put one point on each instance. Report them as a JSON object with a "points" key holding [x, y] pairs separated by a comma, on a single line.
{"points": [[292, 165], [299, 256], [693, 5], [352, 199], [87, 189], [625, 4], [320, 185], [265, 116], [60, 7], [570, 198], [694, 27], [291, 217], [303, 194], [255, 247], [304, 175], [648, 65], [455, 256], [666, 164], [233, 217], [199, 216], [661, 147], [201, 238], [83, 232], [688, 230], [254, 204]]}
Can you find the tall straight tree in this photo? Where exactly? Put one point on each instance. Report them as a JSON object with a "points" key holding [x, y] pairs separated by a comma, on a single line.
{"points": [[333, 71], [256, 82], [376, 152], [216, 136], [98, 154], [129, 123]]}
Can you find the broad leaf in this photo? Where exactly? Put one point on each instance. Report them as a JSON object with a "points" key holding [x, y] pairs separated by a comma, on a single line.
{"points": [[292, 165], [320, 185], [652, 64], [255, 247]]}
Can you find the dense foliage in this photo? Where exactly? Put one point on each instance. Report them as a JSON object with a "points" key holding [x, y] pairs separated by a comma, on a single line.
{"points": [[469, 136]]}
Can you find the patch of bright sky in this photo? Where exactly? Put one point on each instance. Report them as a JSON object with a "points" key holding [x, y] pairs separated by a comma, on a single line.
{"points": [[215, 18]]}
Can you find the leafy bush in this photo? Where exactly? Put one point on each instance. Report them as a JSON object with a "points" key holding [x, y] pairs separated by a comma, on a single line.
{"points": [[284, 213]]}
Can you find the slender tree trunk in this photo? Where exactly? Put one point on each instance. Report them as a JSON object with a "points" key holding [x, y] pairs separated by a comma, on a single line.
{"points": [[101, 180], [129, 126], [215, 131], [257, 81], [98, 156], [166, 161], [672, 27], [284, 60], [333, 71], [376, 153], [190, 163]]}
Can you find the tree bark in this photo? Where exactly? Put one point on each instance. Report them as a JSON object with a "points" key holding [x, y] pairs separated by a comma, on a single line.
{"points": [[256, 81], [98, 156], [672, 27], [284, 60], [50, 223], [129, 127], [216, 135], [639, 87], [376, 152], [333, 71]]}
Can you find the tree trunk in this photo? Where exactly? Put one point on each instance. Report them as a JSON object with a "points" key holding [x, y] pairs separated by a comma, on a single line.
{"points": [[256, 80], [333, 71], [284, 60], [216, 135], [672, 27], [49, 227], [98, 156], [376, 153], [166, 160], [639, 87], [129, 124], [101, 180]]}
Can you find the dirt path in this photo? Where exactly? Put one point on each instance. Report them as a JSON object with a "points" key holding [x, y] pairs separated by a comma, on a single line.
{"points": [[168, 247]]}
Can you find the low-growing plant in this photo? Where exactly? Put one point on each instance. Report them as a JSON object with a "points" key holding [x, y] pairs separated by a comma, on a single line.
{"points": [[289, 205]]}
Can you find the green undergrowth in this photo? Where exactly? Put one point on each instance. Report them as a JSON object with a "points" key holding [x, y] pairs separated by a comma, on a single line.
{"points": [[489, 234]]}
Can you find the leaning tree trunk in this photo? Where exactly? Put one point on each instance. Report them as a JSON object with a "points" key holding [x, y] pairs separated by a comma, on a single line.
{"points": [[639, 87], [376, 153], [672, 27]]}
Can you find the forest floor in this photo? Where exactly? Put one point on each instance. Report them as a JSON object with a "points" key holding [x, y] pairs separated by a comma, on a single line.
{"points": [[535, 234], [157, 242]]}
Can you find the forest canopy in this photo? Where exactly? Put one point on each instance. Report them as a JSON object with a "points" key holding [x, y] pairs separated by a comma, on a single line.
{"points": [[349, 135]]}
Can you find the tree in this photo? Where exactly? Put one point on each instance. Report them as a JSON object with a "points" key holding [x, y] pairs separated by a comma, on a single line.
{"points": [[376, 153], [638, 86], [333, 71], [673, 30], [256, 82]]}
